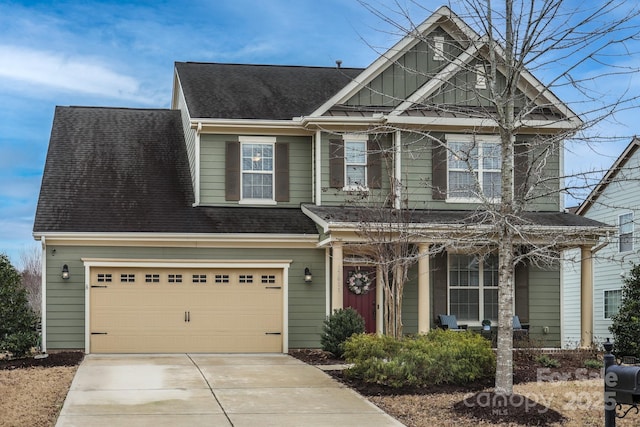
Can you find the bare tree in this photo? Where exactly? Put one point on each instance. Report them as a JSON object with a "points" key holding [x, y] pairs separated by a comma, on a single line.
{"points": [[31, 260], [577, 50]]}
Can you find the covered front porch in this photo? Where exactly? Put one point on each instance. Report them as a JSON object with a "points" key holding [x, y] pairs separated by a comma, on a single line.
{"points": [[434, 285]]}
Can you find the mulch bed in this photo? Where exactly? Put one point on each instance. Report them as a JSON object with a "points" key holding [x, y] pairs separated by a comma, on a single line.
{"points": [[484, 405], [62, 358]]}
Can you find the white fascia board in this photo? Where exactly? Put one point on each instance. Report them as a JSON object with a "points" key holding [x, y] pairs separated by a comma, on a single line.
{"points": [[384, 61], [315, 218], [538, 125], [177, 237], [344, 121], [259, 126]]}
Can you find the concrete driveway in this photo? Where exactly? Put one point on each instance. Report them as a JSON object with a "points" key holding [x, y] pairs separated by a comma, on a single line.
{"points": [[211, 390]]}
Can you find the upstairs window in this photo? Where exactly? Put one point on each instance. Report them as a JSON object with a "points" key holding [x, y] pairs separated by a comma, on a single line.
{"points": [[625, 232], [257, 171], [355, 162], [473, 168]]}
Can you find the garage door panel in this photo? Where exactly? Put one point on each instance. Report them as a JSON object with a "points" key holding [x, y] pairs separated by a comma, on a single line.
{"points": [[137, 310]]}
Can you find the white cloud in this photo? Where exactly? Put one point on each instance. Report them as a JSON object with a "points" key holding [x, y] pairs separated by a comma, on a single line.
{"points": [[60, 72]]}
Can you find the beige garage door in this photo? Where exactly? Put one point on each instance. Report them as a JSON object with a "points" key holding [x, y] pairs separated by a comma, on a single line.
{"points": [[163, 310]]}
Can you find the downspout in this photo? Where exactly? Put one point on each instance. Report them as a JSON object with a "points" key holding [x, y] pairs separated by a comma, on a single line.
{"points": [[397, 173], [317, 168], [43, 295], [196, 156]]}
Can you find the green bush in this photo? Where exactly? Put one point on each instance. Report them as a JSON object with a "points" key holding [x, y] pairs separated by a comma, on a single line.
{"points": [[338, 327], [440, 357], [17, 320], [547, 361], [592, 364], [625, 326]]}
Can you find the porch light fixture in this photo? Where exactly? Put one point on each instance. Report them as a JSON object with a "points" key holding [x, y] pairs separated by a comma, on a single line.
{"points": [[308, 278], [65, 272]]}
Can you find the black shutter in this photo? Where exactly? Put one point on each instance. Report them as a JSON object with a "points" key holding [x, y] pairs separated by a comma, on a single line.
{"points": [[522, 292], [438, 171], [282, 172], [374, 165], [439, 285], [232, 171], [520, 169], [336, 163]]}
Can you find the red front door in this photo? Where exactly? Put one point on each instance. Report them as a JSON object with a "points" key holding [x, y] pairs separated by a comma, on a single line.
{"points": [[364, 302]]}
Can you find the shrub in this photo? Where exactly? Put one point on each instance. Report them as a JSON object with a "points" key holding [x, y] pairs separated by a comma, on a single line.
{"points": [[592, 364], [440, 357], [547, 361], [625, 326], [338, 327], [17, 319]]}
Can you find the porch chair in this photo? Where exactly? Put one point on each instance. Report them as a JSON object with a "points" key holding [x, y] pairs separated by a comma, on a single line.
{"points": [[518, 330], [449, 321]]}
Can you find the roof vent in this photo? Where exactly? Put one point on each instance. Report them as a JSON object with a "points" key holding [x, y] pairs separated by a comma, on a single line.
{"points": [[339, 62]]}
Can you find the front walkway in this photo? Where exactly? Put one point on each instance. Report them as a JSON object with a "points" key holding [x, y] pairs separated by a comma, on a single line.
{"points": [[211, 390]]}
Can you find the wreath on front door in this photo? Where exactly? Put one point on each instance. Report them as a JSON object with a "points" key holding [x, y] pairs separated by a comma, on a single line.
{"points": [[359, 283]]}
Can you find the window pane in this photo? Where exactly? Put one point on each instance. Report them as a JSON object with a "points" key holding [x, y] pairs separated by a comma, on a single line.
{"points": [[491, 156], [490, 304], [463, 155], [491, 184], [464, 304], [490, 271], [464, 271], [355, 152], [612, 301], [355, 175], [625, 232], [257, 186], [257, 157], [461, 184]]}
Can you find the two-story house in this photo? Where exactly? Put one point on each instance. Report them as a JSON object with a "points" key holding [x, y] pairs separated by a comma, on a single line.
{"points": [[612, 201], [227, 223]]}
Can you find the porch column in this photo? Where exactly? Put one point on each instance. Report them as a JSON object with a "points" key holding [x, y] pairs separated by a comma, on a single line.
{"points": [[424, 288], [337, 281], [379, 302], [586, 297]]}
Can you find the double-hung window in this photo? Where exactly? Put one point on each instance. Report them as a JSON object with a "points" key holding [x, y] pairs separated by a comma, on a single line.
{"points": [[257, 170], [473, 287], [612, 302], [625, 232], [473, 168], [355, 161]]}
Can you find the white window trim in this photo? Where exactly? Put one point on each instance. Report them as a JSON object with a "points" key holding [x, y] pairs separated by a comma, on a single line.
{"points": [[481, 77], [480, 139], [604, 292], [632, 231], [438, 48], [258, 140], [480, 289], [355, 137]]}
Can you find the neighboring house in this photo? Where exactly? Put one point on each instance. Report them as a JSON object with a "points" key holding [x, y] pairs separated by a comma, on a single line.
{"points": [[224, 224], [615, 200]]}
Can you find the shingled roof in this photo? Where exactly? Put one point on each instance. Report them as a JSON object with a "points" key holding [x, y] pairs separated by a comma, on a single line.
{"points": [[126, 170], [268, 92]]}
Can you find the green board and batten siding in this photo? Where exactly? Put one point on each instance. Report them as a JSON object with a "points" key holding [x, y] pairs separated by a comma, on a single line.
{"points": [[212, 169], [66, 299]]}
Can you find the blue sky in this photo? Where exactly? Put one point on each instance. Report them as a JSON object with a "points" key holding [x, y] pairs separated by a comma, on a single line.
{"points": [[121, 53]]}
